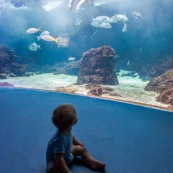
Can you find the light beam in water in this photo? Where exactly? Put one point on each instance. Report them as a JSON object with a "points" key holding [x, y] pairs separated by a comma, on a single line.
{"points": [[103, 2]]}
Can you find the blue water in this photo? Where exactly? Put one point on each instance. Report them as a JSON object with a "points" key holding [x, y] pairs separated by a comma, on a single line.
{"points": [[145, 41]]}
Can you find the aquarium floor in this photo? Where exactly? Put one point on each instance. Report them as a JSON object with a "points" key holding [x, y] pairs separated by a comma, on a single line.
{"points": [[128, 138]]}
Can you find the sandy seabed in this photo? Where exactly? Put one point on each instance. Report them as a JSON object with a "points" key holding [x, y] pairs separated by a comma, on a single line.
{"points": [[129, 89]]}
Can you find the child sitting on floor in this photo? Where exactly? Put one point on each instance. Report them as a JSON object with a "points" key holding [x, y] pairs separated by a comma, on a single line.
{"points": [[63, 146]]}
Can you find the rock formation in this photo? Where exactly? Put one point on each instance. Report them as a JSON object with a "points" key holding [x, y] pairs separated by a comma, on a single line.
{"points": [[166, 97], [71, 68], [163, 85], [8, 62], [98, 67]]}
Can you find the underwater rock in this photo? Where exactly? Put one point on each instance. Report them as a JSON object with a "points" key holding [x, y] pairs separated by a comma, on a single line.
{"points": [[71, 68], [11, 75], [6, 84], [166, 97], [8, 62], [17, 69], [164, 86], [7, 54], [98, 67], [161, 83], [3, 76], [98, 90], [95, 90]]}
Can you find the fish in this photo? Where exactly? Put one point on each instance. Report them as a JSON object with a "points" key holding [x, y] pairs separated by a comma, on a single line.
{"points": [[71, 58], [137, 15], [95, 24], [124, 29], [43, 33], [63, 41], [77, 22], [34, 46], [101, 19], [70, 4], [33, 30], [105, 25], [94, 34], [101, 25], [50, 38], [119, 17], [102, 22], [80, 3]]}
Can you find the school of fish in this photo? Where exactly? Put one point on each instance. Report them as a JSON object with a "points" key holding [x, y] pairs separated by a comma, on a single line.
{"points": [[61, 41], [98, 22]]}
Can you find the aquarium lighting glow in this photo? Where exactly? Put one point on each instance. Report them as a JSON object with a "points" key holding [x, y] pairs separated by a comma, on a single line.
{"points": [[51, 5], [103, 2]]}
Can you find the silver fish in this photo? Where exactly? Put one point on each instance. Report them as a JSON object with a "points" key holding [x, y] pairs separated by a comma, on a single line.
{"points": [[70, 4], [80, 3], [137, 15], [71, 58], [101, 19], [33, 30], [105, 25], [124, 28], [77, 22], [102, 22], [119, 17], [34, 47], [95, 24]]}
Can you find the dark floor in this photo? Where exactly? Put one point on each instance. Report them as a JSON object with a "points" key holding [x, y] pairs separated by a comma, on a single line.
{"points": [[129, 138]]}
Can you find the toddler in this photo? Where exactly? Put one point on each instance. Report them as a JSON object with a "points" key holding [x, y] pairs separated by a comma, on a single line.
{"points": [[63, 146]]}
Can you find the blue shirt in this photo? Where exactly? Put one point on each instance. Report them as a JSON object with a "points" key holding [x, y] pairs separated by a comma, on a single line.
{"points": [[60, 143]]}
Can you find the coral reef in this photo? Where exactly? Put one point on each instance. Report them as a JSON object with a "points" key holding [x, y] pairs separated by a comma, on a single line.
{"points": [[6, 84], [164, 86], [98, 67], [8, 62], [98, 90], [161, 83], [95, 90]]}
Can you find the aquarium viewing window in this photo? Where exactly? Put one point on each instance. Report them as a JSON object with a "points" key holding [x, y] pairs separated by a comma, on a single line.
{"points": [[117, 50]]}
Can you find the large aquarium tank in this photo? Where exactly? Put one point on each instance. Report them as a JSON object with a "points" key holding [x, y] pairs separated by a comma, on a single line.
{"points": [[112, 49]]}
